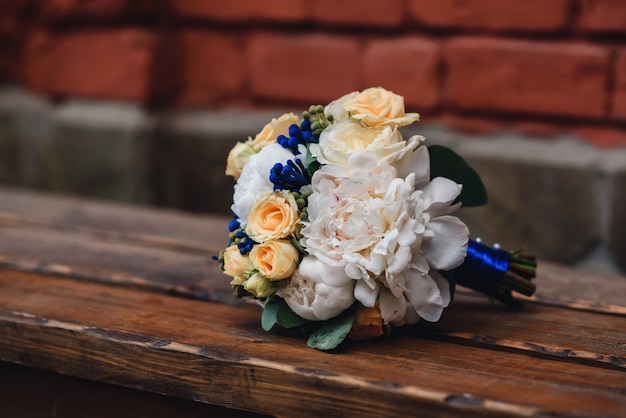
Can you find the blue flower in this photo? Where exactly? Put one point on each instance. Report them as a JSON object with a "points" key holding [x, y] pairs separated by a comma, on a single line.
{"points": [[291, 176], [298, 135]]}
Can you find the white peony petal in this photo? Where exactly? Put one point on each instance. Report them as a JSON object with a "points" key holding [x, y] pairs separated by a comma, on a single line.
{"points": [[419, 264], [439, 195], [397, 283], [444, 288], [400, 260], [410, 316], [392, 308], [417, 162], [407, 235], [448, 246], [309, 297], [425, 298], [366, 294], [314, 269], [331, 301]]}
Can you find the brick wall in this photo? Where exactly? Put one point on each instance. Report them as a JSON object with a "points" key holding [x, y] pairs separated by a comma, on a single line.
{"points": [[140, 100], [542, 67]]}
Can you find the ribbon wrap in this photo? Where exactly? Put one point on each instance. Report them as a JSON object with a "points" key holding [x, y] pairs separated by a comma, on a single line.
{"points": [[483, 269]]}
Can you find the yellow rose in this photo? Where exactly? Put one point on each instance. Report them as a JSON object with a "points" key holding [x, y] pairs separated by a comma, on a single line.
{"points": [[272, 130], [275, 260], [273, 216], [237, 158], [259, 286], [377, 107], [235, 264]]}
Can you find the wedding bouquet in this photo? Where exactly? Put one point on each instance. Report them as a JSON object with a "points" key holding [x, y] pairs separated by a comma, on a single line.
{"points": [[344, 228]]}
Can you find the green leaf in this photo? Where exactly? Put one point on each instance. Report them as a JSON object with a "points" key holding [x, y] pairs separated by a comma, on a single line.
{"points": [[311, 162], [276, 311], [446, 163], [270, 312], [287, 318], [332, 332]]}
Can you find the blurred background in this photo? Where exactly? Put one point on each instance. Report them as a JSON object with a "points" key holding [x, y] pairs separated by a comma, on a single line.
{"points": [[140, 101]]}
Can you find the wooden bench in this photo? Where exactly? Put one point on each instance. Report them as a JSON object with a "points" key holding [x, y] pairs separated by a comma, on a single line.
{"points": [[130, 297]]}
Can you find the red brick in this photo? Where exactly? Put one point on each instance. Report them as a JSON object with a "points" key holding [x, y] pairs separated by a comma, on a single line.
{"points": [[14, 19], [358, 12], [407, 66], [527, 77], [619, 93], [61, 10], [311, 69], [241, 10], [113, 64], [526, 15], [213, 67], [605, 137], [602, 16]]}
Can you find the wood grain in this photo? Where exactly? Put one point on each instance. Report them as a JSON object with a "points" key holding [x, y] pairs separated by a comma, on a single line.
{"points": [[28, 392], [129, 296], [218, 354], [69, 236]]}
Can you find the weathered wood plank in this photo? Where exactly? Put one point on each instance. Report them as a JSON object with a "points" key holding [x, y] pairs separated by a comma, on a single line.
{"points": [[77, 256], [538, 330], [28, 392], [49, 232], [218, 354], [112, 221]]}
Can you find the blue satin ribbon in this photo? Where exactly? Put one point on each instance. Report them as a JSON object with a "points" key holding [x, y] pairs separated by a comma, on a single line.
{"points": [[483, 267]]}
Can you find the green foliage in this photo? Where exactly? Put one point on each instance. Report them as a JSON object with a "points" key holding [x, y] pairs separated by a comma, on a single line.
{"points": [[276, 311], [311, 162], [446, 163], [332, 332], [270, 311]]}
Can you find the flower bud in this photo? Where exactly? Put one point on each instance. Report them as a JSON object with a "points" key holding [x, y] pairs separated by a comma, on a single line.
{"points": [[259, 286]]}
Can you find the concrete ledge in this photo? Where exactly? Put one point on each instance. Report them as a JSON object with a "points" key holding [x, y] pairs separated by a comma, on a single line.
{"points": [[562, 199]]}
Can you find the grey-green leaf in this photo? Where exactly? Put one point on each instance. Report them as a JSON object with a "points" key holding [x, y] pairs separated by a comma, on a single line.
{"points": [[270, 312], [287, 318], [332, 332]]}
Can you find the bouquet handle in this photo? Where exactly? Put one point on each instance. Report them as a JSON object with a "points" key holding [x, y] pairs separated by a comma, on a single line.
{"points": [[497, 273]]}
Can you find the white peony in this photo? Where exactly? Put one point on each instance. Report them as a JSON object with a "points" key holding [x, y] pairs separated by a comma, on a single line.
{"points": [[255, 179], [316, 291], [340, 140], [359, 216], [387, 235]]}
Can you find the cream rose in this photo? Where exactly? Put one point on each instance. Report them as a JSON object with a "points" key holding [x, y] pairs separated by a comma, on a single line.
{"points": [[374, 107], [340, 140], [275, 260], [272, 130], [235, 264], [255, 180], [273, 216], [237, 158]]}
